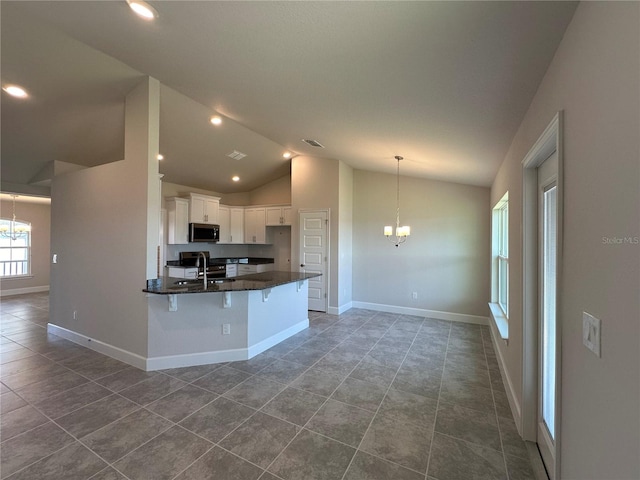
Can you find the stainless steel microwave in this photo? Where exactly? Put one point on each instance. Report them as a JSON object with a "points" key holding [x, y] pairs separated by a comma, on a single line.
{"points": [[203, 232]]}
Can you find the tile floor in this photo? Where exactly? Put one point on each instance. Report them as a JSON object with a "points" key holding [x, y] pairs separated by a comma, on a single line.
{"points": [[363, 395]]}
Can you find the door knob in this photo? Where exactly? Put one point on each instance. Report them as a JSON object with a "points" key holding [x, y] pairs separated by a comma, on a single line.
{"points": [[302, 264]]}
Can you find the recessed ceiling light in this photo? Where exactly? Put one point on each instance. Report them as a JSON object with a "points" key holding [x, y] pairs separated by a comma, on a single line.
{"points": [[15, 91], [160, 156], [216, 120], [143, 9], [286, 154], [235, 178]]}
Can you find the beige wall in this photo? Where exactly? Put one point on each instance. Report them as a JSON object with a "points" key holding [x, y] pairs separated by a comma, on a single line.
{"points": [[99, 224], [276, 192], [594, 78], [446, 258], [345, 237], [39, 215]]}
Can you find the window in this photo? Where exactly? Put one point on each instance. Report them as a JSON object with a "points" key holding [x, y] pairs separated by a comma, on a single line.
{"points": [[500, 264], [15, 253]]}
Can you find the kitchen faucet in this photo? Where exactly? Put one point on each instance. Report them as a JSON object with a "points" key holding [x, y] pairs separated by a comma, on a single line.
{"points": [[204, 258]]}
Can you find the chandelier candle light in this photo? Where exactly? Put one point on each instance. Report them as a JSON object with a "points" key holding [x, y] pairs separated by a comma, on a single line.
{"points": [[13, 231], [401, 232]]}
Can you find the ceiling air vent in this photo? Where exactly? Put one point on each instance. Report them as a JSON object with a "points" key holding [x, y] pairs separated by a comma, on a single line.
{"points": [[236, 155], [313, 143]]}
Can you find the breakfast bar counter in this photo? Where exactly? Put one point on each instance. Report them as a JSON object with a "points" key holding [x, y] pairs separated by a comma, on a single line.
{"points": [[226, 320]]}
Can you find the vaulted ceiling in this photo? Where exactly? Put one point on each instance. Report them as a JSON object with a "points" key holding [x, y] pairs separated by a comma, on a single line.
{"points": [[445, 84]]}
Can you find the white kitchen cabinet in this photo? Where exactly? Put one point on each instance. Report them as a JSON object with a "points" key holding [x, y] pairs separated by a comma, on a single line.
{"points": [[255, 225], [231, 221], [177, 220], [203, 209], [182, 272], [246, 269], [277, 216], [236, 224]]}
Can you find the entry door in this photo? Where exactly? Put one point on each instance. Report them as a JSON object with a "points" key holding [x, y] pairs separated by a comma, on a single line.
{"points": [[547, 322], [313, 255]]}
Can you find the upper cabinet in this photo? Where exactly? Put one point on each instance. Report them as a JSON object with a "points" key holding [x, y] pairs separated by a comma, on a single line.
{"points": [[177, 220], [203, 209], [276, 216], [231, 221], [255, 230]]}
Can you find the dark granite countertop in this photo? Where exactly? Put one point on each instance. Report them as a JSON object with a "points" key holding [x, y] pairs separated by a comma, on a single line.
{"points": [[255, 281]]}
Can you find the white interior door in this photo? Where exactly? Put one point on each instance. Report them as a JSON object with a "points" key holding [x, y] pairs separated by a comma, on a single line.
{"points": [[313, 255], [548, 344]]}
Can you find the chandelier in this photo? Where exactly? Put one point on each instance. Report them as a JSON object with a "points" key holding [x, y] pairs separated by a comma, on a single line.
{"points": [[13, 230], [401, 233]]}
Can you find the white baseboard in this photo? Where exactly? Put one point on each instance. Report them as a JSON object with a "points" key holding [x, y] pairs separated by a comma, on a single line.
{"points": [[511, 394], [267, 343], [176, 361], [100, 347], [341, 309], [452, 317], [22, 291]]}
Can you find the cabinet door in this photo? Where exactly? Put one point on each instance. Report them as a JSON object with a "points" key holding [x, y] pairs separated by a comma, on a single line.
{"points": [[236, 227], [286, 215], [197, 210], [260, 226], [273, 216], [211, 210], [177, 221], [224, 221], [250, 225]]}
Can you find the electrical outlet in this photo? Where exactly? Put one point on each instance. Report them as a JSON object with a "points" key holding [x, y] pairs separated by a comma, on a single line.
{"points": [[75, 314], [55, 258], [591, 332], [226, 329], [414, 295]]}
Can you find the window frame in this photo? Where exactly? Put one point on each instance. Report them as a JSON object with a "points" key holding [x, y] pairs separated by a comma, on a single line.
{"points": [[11, 247], [499, 305]]}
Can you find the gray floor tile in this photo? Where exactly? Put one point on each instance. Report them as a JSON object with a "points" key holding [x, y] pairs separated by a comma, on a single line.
{"points": [[318, 381], [512, 442], [16, 353], [255, 392], [255, 364], [19, 421], [312, 457], [341, 422], [30, 375], [260, 439], [182, 403], [420, 382], [453, 458], [401, 442], [216, 420], [222, 379], [283, 371], [373, 373], [49, 387], [152, 389], [295, 406], [125, 378], [119, 438], [99, 367], [305, 355], [108, 473], [163, 457], [360, 393], [502, 403], [190, 374], [367, 467], [409, 407], [519, 468], [470, 425], [458, 393], [10, 401], [72, 399], [74, 462], [385, 356], [23, 450], [96, 415], [218, 464]]}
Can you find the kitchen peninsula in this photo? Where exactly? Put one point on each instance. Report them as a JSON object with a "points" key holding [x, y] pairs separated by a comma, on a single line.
{"points": [[193, 323]]}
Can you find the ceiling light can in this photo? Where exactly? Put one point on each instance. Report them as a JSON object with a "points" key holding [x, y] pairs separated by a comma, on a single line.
{"points": [[143, 9], [216, 120], [15, 91]]}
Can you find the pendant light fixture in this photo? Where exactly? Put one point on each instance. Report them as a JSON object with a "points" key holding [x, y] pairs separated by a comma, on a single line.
{"points": [[14, 230], [403, 232]]}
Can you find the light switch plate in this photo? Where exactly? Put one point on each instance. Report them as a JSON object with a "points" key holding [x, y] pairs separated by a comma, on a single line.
{"points": [[591, 332]]}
